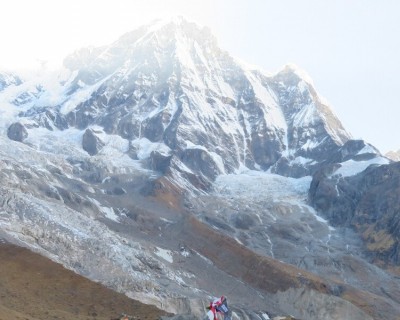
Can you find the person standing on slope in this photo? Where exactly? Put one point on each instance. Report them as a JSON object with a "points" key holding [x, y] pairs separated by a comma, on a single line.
{"points": [[218, 307]]}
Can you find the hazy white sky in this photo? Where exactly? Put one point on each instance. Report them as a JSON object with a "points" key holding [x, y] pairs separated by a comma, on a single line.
{"points": [[350, 48]]}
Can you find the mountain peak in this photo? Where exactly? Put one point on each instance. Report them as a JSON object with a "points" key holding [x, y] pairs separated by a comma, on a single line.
{"points": [[301, 73], [172, 27], [169, 82], [294, 72], [158, 39]]}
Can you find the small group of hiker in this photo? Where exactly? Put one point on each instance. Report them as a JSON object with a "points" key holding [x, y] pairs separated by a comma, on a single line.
{"points": [[218, 309]]}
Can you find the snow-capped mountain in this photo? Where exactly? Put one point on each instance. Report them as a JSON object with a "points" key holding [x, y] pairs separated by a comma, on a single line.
{"points": [[169, 87], [112, 145]]}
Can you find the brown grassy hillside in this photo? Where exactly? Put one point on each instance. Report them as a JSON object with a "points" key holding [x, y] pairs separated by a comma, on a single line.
{"points": [[34, 288]]}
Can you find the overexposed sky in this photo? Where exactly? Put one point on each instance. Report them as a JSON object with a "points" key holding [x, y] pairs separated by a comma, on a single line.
{"points": [[350, 48]]}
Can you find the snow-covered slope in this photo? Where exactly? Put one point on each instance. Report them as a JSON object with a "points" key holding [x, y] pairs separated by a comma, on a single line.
{"points": [[7, 79]]}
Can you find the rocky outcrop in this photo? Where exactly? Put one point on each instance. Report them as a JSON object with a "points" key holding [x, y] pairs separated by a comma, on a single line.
{"points": [[201, 161], [368, 202], [160, 161], [91, 143], [313, 131], [17, 132], [357, 150]]}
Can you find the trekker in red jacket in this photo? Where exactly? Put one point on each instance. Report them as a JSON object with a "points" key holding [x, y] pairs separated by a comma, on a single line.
{"points": [[218, 307]]}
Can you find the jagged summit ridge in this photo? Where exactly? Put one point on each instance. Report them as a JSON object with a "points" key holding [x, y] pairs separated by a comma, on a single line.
{"points": [[159, 40]]}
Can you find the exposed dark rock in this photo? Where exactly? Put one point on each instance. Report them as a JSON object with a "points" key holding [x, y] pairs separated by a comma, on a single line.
{"points": [[154, 129], [368, 202], [132, 151], [265, 149], [294, 93], [49, 191], [199, 181], [17, 132], [287, 169], [218, 223], [88, 171], [91, 143], [159, 161], [200, 161], [118, 191], [357, 150], [244, 221], [352, 150], [46, 117], [125, 125]]}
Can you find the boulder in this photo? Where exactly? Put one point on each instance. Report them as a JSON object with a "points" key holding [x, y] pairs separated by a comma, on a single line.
{"points": [[17, 132], [91, 143], [159, 161]]}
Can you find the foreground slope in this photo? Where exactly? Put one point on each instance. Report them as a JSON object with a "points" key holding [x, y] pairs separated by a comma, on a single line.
{"points": [[33, 287], [136, 245]]}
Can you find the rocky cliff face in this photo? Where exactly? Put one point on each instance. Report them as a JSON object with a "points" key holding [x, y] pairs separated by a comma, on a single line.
{"points": [[368, 202]]}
